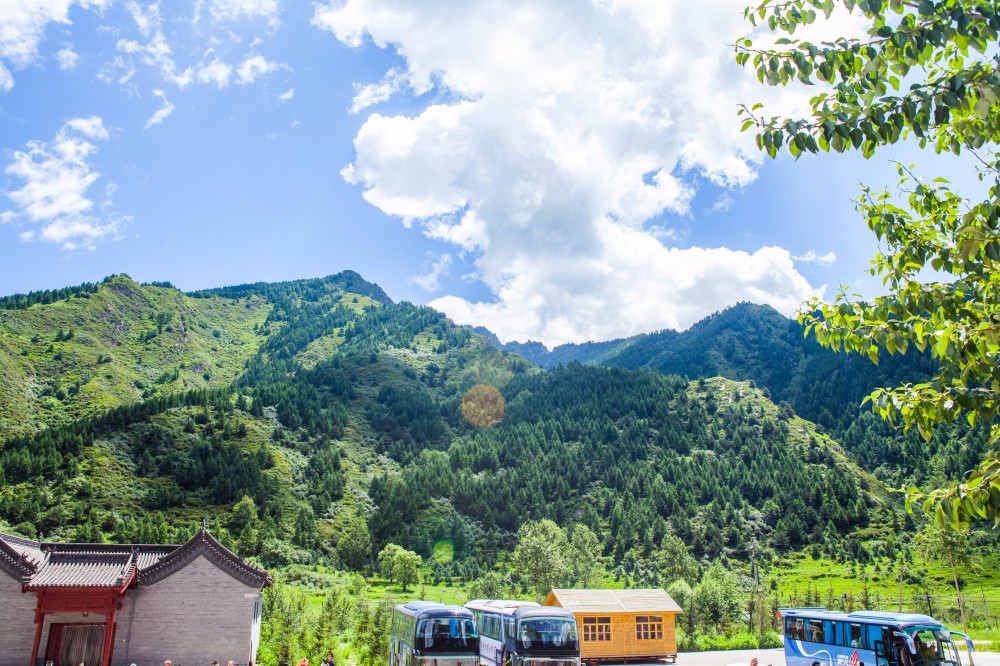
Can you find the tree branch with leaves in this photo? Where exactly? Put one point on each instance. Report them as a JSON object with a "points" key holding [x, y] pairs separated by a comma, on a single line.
{"points": [[945, 52]]}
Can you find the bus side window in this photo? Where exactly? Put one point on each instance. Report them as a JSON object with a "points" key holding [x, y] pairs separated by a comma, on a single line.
{"points": [[793, 629], [829, 635], [843, 634], [856, 640], [875, 635]]}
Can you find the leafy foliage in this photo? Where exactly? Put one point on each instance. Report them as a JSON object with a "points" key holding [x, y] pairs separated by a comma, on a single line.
{"points": [[539, 555], [953, 105]]}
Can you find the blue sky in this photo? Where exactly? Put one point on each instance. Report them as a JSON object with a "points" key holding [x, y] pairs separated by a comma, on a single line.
{"points": [[555, 171]]}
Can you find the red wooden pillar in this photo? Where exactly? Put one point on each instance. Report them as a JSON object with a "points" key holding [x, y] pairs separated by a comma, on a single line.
{"points": [[109, 626], [39, 622]]}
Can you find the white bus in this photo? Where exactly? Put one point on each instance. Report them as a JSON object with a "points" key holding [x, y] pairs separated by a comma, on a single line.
{"points": [[522, 633]]}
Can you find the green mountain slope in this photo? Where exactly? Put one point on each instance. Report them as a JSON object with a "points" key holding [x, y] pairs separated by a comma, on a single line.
{"points": [[636, 456], [347, 407], [756, 343], [122, 343], [539, 354]]}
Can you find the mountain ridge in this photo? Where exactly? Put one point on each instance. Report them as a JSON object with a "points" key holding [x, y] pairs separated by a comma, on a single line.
{"points": [[752, 342], [336, 407]]}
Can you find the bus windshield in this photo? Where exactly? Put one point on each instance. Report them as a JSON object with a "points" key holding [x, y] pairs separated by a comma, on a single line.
{"points": [[545, 633], [934, 645], [445, 634]]}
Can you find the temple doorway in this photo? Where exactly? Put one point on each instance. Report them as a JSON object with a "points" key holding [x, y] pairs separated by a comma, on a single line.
{"points": [[71, 644]]}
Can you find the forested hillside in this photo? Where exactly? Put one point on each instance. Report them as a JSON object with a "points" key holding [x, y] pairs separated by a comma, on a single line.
{"points": [[347, 407], [756, 343], [314, 423]]}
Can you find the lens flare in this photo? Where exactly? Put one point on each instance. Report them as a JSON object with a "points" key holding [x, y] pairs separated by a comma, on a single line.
{"points": [[482, 406]]}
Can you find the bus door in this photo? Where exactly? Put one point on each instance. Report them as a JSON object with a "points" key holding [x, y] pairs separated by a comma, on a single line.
{"points": [[882, 655], [878, 638], [900, 655]]}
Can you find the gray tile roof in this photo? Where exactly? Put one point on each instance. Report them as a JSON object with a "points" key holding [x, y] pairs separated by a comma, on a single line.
{"points": [[114, 566], [111, 570], [204, 544], [17, 561]]}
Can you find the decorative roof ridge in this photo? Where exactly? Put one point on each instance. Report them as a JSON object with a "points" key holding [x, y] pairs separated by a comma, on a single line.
{"points": [[130, 571], [20, 541], [64, 555], [16, 563], [123, 548], [203, 543]]}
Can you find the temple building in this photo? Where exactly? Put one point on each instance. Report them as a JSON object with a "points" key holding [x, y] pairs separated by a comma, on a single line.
{"points": [[114, 605]]}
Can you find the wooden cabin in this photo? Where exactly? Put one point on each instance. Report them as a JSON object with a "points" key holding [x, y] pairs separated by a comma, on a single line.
{"points": [[618, 626]]}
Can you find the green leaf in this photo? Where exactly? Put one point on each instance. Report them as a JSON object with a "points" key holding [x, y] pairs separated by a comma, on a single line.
{"points": [[983, 109]]}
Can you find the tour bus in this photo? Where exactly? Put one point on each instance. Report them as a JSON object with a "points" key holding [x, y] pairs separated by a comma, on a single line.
{"points": [[817, 637], [523, 633], [426, 633]]}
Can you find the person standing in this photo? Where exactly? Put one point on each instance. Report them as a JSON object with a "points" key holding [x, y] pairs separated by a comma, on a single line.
{"points": [[330, 660]]}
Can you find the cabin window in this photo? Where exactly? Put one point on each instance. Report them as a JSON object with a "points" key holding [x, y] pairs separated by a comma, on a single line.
{"points": [[648, 627], [597, 628]]}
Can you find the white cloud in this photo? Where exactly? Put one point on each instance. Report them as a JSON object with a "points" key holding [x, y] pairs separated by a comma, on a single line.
{"points": [[214, 44], [287, 95], [253, 67], [373, 93], [230, 10], [558, 133], [430, 279], [161, 114], [811, 257], [91, 127], [156, 51], [632, 284], [67, 58], [216, 72], [22, 27], [6, 79], [56, 179]]}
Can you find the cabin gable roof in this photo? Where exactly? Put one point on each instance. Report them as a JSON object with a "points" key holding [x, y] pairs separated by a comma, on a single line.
{"points": [[613, 601]]}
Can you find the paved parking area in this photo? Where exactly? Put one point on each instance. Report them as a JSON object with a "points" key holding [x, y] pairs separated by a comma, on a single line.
{"points": [[777, 658], [733, 658]]}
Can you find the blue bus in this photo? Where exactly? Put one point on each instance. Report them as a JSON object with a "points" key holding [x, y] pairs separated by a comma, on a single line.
{"points": [[426, 633], [817, 637]]}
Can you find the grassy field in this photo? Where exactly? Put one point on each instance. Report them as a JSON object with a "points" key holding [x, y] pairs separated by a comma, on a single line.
{"points": [[800, 579]]}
